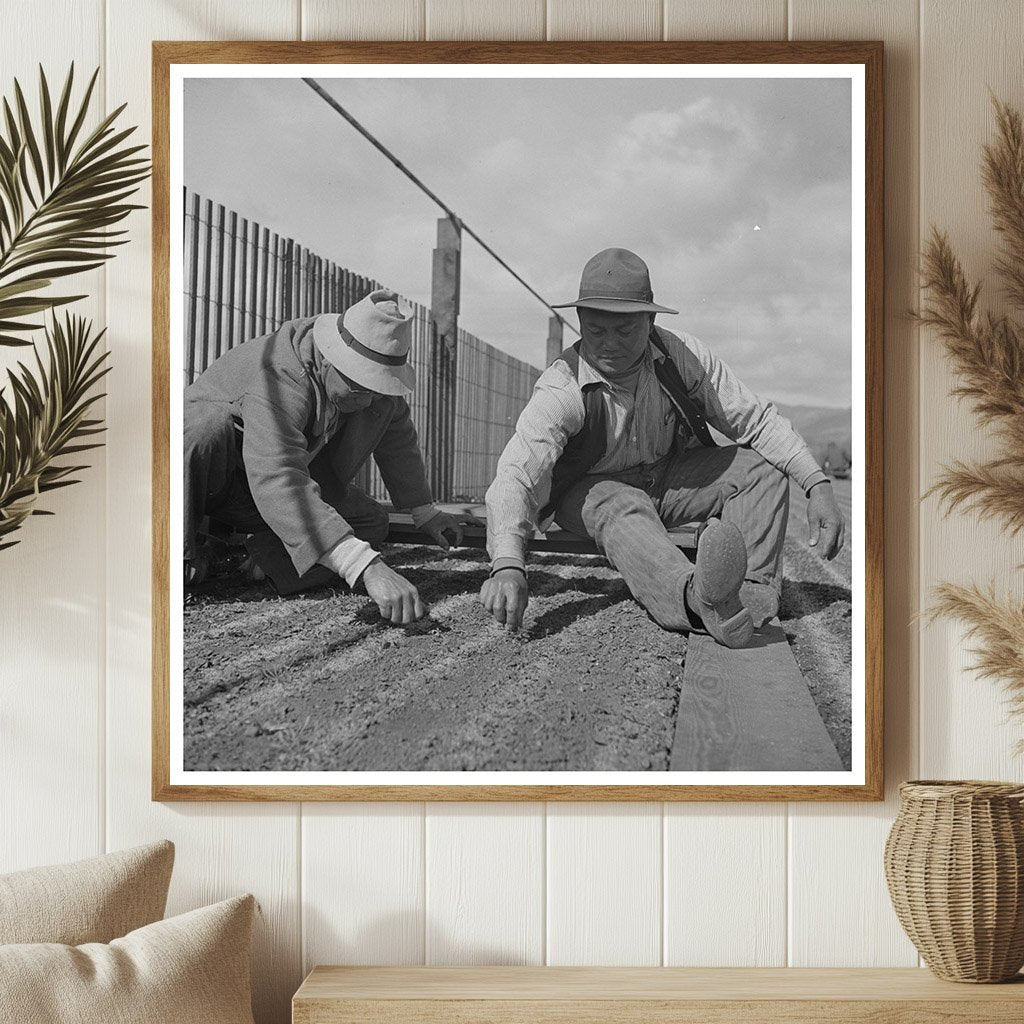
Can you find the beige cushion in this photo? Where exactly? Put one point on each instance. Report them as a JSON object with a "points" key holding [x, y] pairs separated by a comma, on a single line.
{"points": [[191, 969], [93, 900]]}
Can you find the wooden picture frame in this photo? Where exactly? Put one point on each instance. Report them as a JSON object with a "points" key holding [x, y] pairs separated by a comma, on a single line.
{"points": [[865, 63]]}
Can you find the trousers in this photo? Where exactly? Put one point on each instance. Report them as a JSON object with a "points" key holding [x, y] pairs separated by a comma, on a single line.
{"points": [[215, 486], [628, 514]]}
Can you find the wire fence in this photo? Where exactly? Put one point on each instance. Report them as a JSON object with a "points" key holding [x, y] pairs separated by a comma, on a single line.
{"points": [[243, 280]]}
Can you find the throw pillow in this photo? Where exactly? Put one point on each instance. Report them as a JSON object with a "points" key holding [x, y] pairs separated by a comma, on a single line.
{"points": [[190, 969], [92, 900]]}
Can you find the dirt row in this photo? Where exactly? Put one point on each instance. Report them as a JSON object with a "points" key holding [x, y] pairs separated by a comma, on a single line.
{"points": [[319, 682]]}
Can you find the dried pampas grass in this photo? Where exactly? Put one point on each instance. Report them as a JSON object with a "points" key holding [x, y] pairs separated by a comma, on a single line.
{"points": [[987, 354]]}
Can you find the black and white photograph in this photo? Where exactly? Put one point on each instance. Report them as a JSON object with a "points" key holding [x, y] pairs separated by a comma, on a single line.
{"points": [[517, 424]]}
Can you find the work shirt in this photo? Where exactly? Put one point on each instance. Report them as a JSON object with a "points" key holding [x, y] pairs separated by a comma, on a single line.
{"points": [[279, 391], [640, 432]]}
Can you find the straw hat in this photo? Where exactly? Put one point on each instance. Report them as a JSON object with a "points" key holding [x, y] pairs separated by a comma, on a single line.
{"points": [[616, 281], [370, 343]]}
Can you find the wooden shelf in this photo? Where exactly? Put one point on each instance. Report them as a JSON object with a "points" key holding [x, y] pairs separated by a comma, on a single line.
{"points": [[630, 995]]}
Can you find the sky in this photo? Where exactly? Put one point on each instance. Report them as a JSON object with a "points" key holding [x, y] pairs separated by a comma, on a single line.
{"points": [[736, 192]]}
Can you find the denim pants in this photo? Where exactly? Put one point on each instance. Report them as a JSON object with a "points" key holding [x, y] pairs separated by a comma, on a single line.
{"points": [[629, 513]]}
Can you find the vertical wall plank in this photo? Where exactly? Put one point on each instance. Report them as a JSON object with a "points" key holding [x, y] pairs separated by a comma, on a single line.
{"points": [[840, 913], [604, 19], [725, 866], [222, 849], [485, 883], [362, 884], [965, 728], [725, 19], [604, 884], [363, 19], [725, 885], [51, 582], [485, 19]]}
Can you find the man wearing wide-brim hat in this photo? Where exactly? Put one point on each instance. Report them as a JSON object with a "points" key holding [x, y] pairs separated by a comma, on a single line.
{"points": [[276, 429], [615, 443]]}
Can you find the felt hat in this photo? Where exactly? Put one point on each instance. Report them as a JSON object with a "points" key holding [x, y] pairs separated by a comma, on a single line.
{"points": [[616, 281], [370, 343]]}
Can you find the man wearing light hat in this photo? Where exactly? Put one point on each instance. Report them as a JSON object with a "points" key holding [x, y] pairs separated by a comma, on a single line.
{"points": [[615, 443], [276, 429]]}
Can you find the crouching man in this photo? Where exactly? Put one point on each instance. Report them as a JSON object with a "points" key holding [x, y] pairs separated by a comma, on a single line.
{"points": [[615, 444], [276, 429]]}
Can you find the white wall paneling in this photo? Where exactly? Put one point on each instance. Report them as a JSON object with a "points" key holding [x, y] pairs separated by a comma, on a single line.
{"points": [[485, 883], [727, 19], [965, 52], [628, 884], [604, 19], [222, 848], [52, 619], [725, 885], [835, 853], [363, 19], [604, 877], [363, 892], [485, 19]]}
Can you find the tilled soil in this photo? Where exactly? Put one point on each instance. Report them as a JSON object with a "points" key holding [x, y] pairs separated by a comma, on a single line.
{"points": [[319, 682]]}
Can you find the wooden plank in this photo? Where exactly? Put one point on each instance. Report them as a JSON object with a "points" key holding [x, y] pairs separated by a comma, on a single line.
{"points": [[51, 583], [222, 849], [401, 531], [583, 19], [726, 19], [649, 983], [966, 731], [363, 884], [843, 915], [604, 884], [484, 19], [485, 883], [748, 710]]}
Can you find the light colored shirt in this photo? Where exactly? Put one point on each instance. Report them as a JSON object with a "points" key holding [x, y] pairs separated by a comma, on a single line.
{"points": [[641, 423], [556, 412], [350, 557]]}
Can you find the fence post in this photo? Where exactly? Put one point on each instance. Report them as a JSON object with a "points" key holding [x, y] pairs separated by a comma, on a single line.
{"points": [[444, 317], [554, 339]]}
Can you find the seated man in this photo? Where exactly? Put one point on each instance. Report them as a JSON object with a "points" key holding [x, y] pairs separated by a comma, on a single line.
{"points": [[276, 429], [615, 443]]}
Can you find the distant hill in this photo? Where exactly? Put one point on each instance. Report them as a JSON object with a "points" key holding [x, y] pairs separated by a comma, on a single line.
{"points": [[828, 432], [816, 424]]}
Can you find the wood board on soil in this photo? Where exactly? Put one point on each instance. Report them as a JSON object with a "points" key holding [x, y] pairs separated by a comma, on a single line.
{"points": [[319, 682]]}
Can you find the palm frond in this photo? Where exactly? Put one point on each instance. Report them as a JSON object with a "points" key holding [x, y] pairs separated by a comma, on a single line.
{"points": [[44, 418], [62, 191]]}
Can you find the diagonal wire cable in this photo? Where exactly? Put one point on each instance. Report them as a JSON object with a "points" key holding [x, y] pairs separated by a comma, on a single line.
{"points": [[377, 144]]}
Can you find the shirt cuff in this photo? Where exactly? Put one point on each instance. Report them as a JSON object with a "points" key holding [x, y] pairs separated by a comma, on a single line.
{"points": [[817, 478], [508, 563], [349, 558], [422, 514], [803, 470], [508, 547]]}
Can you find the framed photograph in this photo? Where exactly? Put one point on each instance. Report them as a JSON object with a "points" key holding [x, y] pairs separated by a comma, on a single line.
{"points": [[517, 421]]}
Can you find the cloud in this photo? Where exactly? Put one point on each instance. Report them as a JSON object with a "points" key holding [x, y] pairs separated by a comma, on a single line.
{"points": [[549, 172]]}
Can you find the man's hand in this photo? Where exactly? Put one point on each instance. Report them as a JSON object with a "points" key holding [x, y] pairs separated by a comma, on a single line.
{"points": [[505, 596], [396, 597], [446, 529], [825, 524]]}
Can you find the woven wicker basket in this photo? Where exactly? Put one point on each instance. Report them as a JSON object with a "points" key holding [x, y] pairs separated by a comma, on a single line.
{"points": [[954, 861]]}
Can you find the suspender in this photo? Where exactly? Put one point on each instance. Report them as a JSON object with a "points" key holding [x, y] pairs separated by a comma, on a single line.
{"points": [[673, 385]]}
